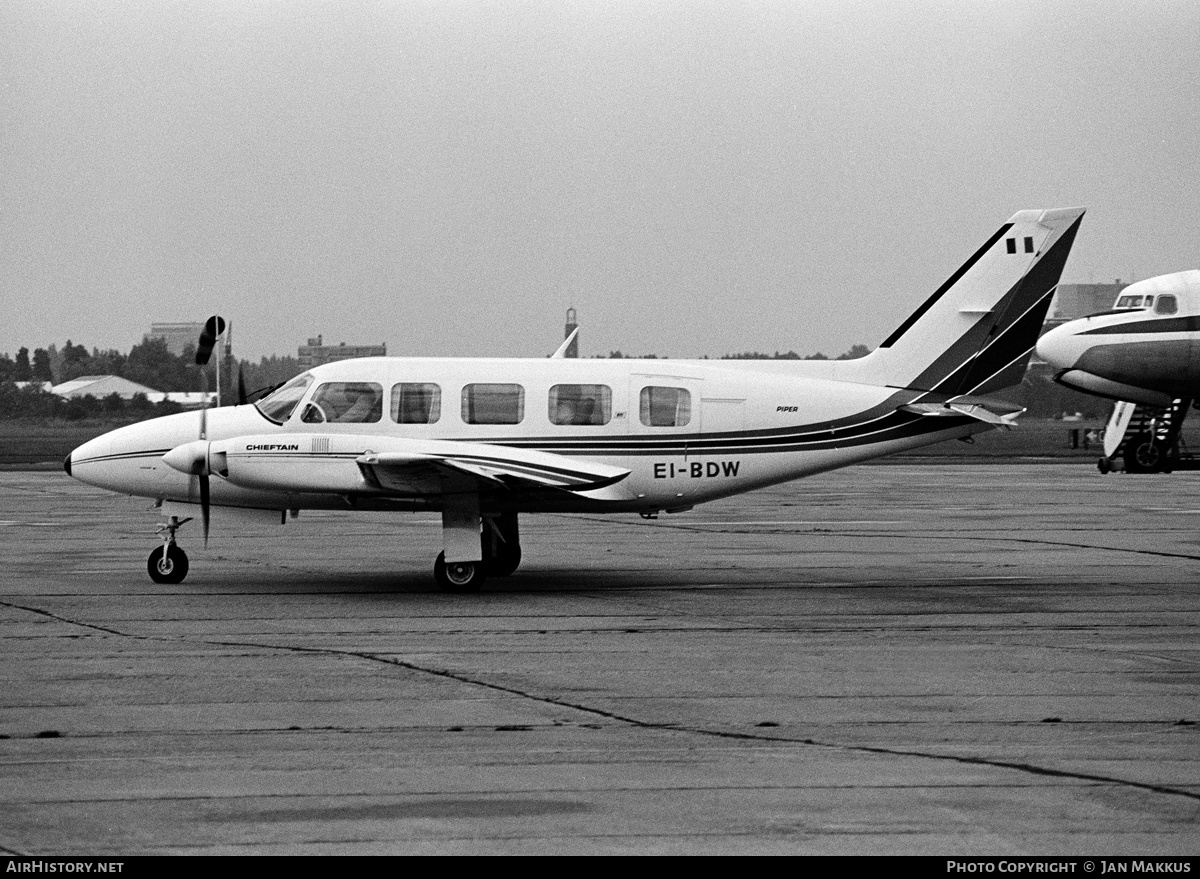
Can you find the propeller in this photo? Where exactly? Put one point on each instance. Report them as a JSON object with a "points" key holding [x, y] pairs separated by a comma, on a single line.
{"points": [[198, 465], [243, 397], [213, 327], [193, 458]]}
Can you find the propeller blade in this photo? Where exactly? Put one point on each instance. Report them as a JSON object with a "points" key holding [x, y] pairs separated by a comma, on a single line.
{"points": [[243, 397], [213, 327], [204, 404], [204, 505]]}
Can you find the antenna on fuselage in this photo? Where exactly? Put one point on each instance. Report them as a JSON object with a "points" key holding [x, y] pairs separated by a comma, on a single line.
{"points": [[570, 346]]}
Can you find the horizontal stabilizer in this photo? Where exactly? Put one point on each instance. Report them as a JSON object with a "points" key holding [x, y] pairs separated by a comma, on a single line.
{"points": [[990, 412]]}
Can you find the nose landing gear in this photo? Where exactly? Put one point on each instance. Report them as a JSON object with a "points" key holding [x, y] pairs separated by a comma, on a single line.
{"points": [[168, 563], [458, 576]]}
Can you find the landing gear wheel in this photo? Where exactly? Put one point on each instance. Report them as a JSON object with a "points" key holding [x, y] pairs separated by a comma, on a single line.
{"points": [[458, 576], [1104, 465], [171, 569], [1143, 454]]}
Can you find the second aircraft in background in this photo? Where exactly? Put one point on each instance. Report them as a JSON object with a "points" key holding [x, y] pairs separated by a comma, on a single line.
{"points": [[1145, 352]]}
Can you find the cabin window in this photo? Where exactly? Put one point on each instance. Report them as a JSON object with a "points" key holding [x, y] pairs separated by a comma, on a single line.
{"points": [[344, 403], [580, 404], [493, 404], [1167, 304], [279, 404], [665, 407], [416, 403]]}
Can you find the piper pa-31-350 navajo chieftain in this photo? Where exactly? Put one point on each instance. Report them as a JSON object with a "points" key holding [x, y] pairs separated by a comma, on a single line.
{"points": [[1144, 352], [483, 440]]}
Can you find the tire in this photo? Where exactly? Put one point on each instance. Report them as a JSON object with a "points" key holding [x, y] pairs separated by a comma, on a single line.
{"points": [[504, 562], [172, 569], [1144, 455], [458, 576], [500, 541]]}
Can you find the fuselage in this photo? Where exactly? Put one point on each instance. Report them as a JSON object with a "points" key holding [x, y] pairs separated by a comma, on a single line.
{"points": [[686, 431], [1147, 350]]}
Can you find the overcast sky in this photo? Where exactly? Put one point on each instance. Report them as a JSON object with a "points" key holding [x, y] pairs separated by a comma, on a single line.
{"points": [[449, 177]]}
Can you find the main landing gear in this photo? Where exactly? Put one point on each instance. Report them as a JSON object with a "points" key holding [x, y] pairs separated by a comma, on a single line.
{"points": [[168, 563], [494, 541], [499, 551]]}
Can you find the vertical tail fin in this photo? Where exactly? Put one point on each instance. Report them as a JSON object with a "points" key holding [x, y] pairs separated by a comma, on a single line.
{"points": [[975, 334]]}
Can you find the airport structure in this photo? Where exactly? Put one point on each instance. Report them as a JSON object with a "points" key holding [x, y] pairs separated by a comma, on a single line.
{"points": [[101, 386], [316, 352], [1073, 301], [178, 336]]}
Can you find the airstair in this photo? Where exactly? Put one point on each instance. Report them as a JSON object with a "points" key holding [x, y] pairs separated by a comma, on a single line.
{"points": [[1146, 439]]}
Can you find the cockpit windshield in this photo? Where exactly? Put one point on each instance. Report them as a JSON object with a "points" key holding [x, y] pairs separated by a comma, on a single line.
{"points": [[1133, 303], [278, 406]]}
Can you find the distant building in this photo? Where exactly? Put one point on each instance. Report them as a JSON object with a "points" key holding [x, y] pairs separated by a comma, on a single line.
{"points": [[101, 386], [177, 336], [317, 352], [1072, 301]]}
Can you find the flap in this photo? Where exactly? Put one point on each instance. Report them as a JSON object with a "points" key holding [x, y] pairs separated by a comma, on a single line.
{"points": [[506, 469]]}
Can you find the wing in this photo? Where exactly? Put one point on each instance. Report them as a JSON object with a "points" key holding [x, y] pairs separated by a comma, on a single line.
{"points": [[501, 468], [344, 463]]}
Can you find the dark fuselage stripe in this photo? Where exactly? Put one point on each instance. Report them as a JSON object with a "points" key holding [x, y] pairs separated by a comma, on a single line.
{"points": [[903, 426], [1153, 326]]}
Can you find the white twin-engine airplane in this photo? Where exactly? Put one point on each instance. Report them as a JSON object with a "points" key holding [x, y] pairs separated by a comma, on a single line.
{"points": [[483, 440]]}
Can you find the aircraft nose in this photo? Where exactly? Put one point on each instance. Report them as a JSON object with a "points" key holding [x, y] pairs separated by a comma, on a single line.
{"points": [[1061, 347], [67, 463]]}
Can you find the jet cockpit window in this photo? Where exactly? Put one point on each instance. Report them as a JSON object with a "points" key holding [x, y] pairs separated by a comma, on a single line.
{"points": [[344, 403], [1167, 304], [416, 403], [493, 404], [665, 407], [580, 404], [278, 405], [1127, 303]]}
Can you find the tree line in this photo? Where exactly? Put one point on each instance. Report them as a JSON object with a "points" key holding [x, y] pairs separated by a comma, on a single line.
{"points": [[149, 363]]}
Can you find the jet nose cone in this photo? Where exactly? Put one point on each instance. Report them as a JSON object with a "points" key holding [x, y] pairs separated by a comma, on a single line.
{"points": [[1060, 347]]}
